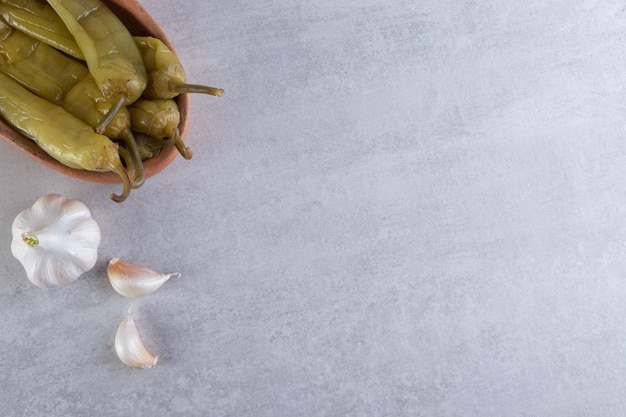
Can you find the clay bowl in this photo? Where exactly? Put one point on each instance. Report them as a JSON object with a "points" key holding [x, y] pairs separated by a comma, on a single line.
{"points": [[139, 23]]}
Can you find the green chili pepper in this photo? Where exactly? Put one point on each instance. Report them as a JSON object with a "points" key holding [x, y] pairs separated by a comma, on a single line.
{"points": [[37, 66], [64, 81], [149, 147], [110, 52], [41, 22], [160, 119], [166, 75], [86, 102], [63, 136]]}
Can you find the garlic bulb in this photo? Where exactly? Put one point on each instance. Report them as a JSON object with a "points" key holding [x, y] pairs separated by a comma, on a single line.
{"points": [[56, 240], [129, 345], [134, 280]]}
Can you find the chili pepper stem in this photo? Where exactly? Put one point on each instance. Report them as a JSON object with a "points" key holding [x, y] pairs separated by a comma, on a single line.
{"points": [[196, 88], [130, 167], [121, 171], [118, 103], [185, 151], [139, 176]]}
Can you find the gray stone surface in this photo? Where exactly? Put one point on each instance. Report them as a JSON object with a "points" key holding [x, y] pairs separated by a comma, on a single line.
{"points": [[399, 208]]}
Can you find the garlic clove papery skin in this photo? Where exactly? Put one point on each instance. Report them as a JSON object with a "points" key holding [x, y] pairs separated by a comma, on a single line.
{"points": [[135, 281], [129, 345], [56, 240]]}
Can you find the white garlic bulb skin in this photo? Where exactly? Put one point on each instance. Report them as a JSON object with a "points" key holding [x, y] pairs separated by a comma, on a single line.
{"points": [[134, 281], [129, 346], [56, 240]]}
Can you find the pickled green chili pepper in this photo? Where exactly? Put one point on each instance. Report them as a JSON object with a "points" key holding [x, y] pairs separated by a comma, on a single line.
{"points": [[110, 52], [159, 119], [41, 22], [66, 82], [150, 147], [166, 75], [38, 66], [63, 136], [86, 102]]}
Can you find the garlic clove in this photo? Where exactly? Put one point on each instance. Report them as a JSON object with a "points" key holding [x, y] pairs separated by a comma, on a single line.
{"points": [[129, 345], [56, 240], [133, 280]]}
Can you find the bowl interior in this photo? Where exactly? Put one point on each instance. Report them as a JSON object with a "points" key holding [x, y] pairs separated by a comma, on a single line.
{"points": [[140, 23]]}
